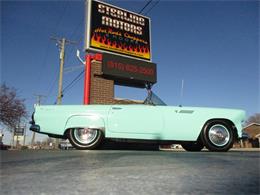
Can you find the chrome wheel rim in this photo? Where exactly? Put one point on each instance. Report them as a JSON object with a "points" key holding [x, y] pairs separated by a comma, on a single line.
{"points": [[219, 135], [85, 136]]}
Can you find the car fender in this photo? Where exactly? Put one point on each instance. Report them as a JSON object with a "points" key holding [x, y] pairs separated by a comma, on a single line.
{"points": [[239, 127], [85, 121]]}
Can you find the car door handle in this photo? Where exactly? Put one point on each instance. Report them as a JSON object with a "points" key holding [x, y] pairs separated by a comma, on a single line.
{"points": [[116, 108]]}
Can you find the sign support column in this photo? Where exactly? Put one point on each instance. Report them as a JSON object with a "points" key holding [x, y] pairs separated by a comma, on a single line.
{"points": [[87, 80]]}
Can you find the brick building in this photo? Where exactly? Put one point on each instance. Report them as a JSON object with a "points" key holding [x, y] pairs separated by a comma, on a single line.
{"points": [[253, 132], [102, 90]]}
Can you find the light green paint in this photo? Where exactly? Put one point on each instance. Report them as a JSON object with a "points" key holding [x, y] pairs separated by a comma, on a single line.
{"points": [[134, 121]]}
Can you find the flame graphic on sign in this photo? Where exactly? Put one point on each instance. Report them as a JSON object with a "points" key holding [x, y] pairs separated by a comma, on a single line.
{"points": [[103, 42]]}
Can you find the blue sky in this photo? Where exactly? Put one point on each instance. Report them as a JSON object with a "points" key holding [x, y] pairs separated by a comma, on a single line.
{"points": [[212, 45]]}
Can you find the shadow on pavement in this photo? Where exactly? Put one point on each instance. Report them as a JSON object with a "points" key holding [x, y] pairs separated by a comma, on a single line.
{"points": [[117, 145]]}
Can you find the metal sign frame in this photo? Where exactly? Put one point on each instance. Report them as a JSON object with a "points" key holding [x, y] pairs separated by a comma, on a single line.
{"points": [[88, 31]]}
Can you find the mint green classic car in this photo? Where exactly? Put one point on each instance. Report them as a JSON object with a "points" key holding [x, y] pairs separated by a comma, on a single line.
{"points": [[86, 126]]}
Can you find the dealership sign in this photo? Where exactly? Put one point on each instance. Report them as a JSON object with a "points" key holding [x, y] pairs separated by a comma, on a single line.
{"points": [[114, 30], [19, 131], [128, 71]]}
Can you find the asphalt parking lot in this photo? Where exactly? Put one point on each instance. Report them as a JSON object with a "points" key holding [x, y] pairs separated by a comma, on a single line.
{"points": [[129, 172]]}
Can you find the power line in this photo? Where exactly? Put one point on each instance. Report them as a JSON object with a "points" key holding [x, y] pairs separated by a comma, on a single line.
{"points": [[152, 7], [44, 61], [39, 98], [57, 24], [73, 34], [61, 43], [78, 77], [73, 82], [76, 29], [145, 6], [57, 77], [52, 85], [59, 21]]}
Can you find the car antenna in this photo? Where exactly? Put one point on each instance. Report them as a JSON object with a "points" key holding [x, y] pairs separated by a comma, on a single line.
{"points": [[181, 94]]}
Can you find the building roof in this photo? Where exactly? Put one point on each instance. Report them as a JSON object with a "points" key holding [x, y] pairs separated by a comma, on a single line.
{"points": [[253, 130], [127, 101]]}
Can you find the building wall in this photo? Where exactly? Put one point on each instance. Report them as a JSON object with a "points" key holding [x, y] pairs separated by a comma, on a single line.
{"points": [[101, 90]]}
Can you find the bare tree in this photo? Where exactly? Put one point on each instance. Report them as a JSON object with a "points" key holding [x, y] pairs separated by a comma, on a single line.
{"points": [[253, 119], [12, 108]]}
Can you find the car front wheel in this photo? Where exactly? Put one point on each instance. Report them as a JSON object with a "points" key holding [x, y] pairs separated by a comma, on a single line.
{"points": [[85, 138], [218, 136]]}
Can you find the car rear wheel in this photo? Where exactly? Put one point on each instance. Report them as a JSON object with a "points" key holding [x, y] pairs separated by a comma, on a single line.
{"points": [[218, 136], [193, 146], [85, 138]]}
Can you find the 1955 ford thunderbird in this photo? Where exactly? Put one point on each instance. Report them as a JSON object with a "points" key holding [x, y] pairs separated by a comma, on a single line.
{"points": [[86, 126]]}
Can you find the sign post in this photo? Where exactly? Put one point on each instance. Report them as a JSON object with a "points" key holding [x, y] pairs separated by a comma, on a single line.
{"points": [[87, 80]]}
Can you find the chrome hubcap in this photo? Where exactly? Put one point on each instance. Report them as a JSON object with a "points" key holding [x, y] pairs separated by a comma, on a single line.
{"points": [[85, 136], [219, 135]]}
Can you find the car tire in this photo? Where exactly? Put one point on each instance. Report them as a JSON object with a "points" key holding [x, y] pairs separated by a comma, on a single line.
{"points": [[85, 138], [193, 146], [218, 136]]}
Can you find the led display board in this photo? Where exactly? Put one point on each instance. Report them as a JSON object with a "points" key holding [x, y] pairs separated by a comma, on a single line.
{"points": [[114, 30], [128, 71]]}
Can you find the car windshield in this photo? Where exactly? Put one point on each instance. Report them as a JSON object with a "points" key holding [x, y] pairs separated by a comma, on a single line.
{"points": [[153, 99]]}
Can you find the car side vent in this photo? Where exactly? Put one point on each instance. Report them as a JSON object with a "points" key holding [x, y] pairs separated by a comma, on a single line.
{"points": [[186, 111]]}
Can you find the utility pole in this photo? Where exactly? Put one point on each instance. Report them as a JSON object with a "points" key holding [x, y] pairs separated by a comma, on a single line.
{"points": [[38, 102], [39, 98], [62, 57], [61, 43], [24, 136], [13, 139]]}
